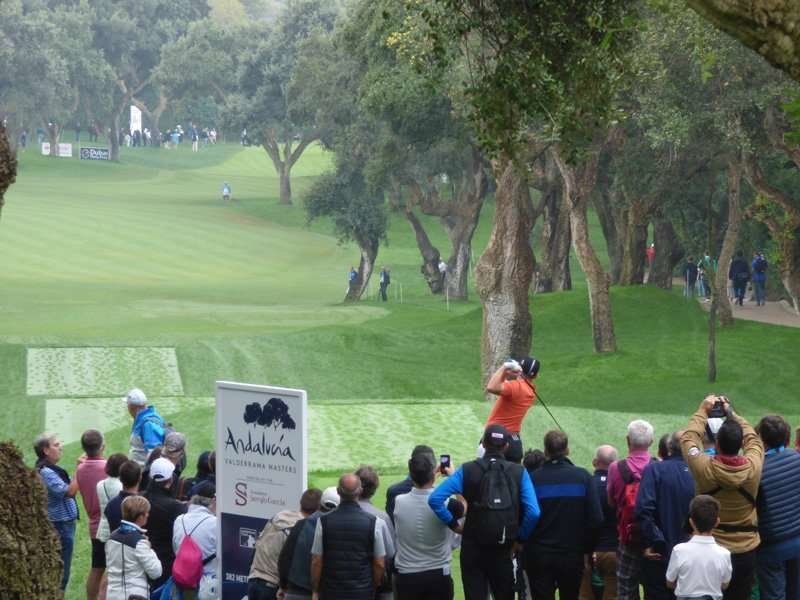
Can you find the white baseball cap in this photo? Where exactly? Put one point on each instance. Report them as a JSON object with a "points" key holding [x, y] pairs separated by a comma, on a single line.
{"points": [[136, 397], [329, 499], [161, 469]]}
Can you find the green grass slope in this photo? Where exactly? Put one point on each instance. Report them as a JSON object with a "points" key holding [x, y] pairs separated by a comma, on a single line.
{"points": [[137, 274]]}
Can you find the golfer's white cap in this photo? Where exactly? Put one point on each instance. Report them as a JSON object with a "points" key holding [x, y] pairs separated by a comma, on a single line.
{"points": [[136, 397]]}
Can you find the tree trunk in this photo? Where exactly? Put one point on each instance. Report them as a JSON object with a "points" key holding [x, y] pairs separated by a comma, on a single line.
{"points": [[552, 270], [53, 131], [8, 167], [113, 138], [430, 254], [460, 229], [789, 266], [668, 253], [784, 229], [366, 265], [504, 270], [26, 532], [634, 243], [286, 183], [712, 340], [154, 116], [767, 26], [283, 163], [611, 219], [578, 183], [728, 244]]}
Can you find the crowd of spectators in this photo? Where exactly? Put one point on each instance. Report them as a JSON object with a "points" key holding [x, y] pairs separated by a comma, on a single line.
{"points": [[710, 516]]}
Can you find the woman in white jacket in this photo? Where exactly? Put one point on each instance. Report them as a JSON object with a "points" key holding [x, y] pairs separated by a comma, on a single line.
{"points": [[130, 560]]}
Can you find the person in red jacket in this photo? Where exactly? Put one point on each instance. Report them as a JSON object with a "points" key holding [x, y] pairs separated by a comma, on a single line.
{"points": [[513, 384]]}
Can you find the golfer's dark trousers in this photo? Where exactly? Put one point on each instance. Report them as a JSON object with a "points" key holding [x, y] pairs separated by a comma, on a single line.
{"points": [[484, 568], [425, 585], [383, 292], [548, 571]]}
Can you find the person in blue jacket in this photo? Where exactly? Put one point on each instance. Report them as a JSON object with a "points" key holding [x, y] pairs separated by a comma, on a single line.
{"points": [[486, 563], [148, 428], [778, 557], [662, 511]]}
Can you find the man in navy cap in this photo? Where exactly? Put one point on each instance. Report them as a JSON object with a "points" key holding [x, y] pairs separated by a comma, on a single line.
{"points": [[502, 512]]}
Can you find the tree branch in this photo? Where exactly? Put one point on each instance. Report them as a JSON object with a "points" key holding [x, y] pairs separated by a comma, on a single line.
{"points": [[766, 26], [755, 176]]}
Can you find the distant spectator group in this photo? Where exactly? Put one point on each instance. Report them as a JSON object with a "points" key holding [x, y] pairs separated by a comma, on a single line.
{"points": [[708, 517], [697, 277]]}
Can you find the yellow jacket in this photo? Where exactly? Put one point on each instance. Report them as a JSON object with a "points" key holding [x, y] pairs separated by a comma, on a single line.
{"points": [[730, 475]]}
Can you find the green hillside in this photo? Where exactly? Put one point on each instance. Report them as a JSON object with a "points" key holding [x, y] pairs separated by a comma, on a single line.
{"points": [[136, 274]]}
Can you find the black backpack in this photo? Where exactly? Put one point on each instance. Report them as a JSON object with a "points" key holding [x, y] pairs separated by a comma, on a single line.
{"points": [[761, 265], [493, 516]]}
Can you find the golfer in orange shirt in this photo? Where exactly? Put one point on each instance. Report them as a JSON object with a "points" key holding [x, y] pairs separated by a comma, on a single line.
{"points": [[513, 384]]}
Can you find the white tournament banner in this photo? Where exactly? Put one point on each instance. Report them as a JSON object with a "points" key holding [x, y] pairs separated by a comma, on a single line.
{"points": [[262, 469], [136, 119]]}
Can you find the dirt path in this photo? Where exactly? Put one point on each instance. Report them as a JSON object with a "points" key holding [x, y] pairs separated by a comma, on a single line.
{"points": [[774, 313]]}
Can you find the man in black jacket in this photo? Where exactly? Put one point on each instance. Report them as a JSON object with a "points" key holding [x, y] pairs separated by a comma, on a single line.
{"points": [[164, 509], [571, 514], [348, 554], [739, 273]]}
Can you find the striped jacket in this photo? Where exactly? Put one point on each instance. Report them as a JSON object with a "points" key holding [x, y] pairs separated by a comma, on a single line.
{"points": [[571, 512]]}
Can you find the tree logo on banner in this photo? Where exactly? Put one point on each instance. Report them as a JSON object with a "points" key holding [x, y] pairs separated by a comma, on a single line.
{"points": [[275, 414]]}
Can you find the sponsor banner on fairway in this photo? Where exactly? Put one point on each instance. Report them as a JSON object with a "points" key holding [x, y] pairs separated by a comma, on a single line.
{"points": [[87, 153], [62, 151], [262, 469]]}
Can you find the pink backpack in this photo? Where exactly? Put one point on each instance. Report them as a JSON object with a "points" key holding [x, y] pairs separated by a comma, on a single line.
{"points": [[187, 570]]}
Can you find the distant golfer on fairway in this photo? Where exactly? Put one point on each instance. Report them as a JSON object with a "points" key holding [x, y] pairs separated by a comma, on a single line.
{"points": [[226, 191], [513, 385]]}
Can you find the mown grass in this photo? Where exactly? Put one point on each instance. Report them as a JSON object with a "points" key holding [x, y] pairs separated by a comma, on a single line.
{"points": [[144, 253]]}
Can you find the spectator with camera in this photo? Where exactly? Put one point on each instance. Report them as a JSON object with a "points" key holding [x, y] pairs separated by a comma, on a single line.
{"points": [[513, 384], [570, 515], [424, 543], [606, 540], [624, 478], [502, 512], [779, 554], [731, 478], [662, 510]]}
